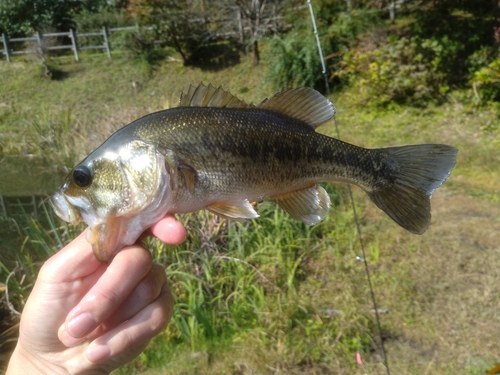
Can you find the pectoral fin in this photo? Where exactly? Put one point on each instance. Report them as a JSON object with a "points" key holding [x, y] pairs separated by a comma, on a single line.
{"points": [[234, 210], [189, 174], [309, 205]]}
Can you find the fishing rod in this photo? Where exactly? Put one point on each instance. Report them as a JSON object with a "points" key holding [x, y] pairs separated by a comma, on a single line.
{"points": [[351, 197]]}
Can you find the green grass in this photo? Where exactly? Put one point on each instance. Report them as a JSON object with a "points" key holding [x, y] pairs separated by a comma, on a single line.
{"points": [[272, 295]]}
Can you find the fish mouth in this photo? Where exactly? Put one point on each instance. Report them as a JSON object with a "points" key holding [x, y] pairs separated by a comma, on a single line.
{"points": [[64, 209]]}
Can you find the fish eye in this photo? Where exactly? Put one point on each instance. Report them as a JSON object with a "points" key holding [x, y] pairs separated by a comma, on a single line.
{"points": [[82, 176]]}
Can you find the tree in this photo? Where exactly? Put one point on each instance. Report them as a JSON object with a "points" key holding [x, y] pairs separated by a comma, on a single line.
{"points": [[24, 17], [180, 24], [252, 10]]}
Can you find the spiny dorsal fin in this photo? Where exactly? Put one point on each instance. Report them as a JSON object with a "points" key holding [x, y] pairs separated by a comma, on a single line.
{"points": [[209, 96], [302, 103]]}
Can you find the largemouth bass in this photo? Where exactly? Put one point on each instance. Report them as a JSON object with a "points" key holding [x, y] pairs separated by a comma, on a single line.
{"points": [[219, 153]]}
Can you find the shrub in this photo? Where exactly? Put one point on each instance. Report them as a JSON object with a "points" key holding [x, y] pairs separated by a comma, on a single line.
{"points": [[140, 45], [294, 62], [91, 20], [179, 25], [406, 70], [485, 74]]}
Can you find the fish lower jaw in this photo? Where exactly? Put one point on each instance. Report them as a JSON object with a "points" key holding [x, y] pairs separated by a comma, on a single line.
{"points": [[64, 209]]}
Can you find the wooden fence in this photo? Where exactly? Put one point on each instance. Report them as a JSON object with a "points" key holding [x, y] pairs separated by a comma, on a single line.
{"points": [[39, 46], [40, 42]]}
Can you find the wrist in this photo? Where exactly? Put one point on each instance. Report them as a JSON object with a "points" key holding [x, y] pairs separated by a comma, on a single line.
{"points": [[22, 362]]}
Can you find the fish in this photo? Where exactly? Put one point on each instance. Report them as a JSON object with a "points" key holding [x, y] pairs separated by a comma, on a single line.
{"points": [[217, 152]]}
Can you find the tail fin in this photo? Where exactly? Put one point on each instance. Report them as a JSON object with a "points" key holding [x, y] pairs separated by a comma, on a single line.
{"points": [[416, 172]]}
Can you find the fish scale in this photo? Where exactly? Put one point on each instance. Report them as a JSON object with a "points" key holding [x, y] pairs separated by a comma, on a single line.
{"points": [[219, 153]]}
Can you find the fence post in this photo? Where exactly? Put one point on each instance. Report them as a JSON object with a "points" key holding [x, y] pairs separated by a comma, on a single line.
{"points": [[106, 42], [240, 24], [6, 46], [275, 20], [33, 203], [3, 210], [39, 41], [72, 35], [392, 11]]}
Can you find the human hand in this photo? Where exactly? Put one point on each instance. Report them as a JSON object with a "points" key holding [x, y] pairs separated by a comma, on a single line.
{"points": [[87, 317]]}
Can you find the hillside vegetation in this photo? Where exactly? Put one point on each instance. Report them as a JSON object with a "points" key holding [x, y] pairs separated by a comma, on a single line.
{"points": [[271, 295]]}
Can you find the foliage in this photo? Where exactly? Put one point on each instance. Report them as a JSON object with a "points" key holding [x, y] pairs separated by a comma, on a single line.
{"points": [[463, 26], [140, 45], [91, 20], [55, 138], [405, 70], [429, 53], [343, 31], [172, 22], [294, 63], [24, 17], [253, 12], [485, 74], [294, 60]]}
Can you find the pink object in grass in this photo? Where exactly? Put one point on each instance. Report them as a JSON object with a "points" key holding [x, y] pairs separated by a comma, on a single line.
{"points": [[358, 358]]}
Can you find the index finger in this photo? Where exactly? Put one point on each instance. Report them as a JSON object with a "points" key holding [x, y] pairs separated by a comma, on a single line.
{"points": [[169, 230]]}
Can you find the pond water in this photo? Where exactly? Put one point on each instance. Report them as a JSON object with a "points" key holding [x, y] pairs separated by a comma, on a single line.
{"points": [[27, 176]]}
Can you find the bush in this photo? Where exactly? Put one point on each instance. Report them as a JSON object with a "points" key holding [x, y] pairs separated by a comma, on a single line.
{"points": [[174, 24], [294, 62], [406, 70], [90, 20], [140, 45], [485, 74]]}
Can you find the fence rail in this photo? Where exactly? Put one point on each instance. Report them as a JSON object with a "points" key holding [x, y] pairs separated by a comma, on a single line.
{"points": [[41, 44]]}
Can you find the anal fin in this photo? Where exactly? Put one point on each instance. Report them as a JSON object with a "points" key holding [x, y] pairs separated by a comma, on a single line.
{"points": [[308, 205], [234, 210]]}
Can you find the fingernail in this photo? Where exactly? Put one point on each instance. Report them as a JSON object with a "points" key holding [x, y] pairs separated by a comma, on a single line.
{"points": [[81, 325], [98, 352]]}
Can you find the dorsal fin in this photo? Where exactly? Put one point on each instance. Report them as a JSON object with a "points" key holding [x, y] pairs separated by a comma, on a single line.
{"points": [[209, 96], [303, 103]]}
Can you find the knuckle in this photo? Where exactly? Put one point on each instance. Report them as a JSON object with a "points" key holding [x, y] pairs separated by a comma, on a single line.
{"points": [[112, 297]]}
